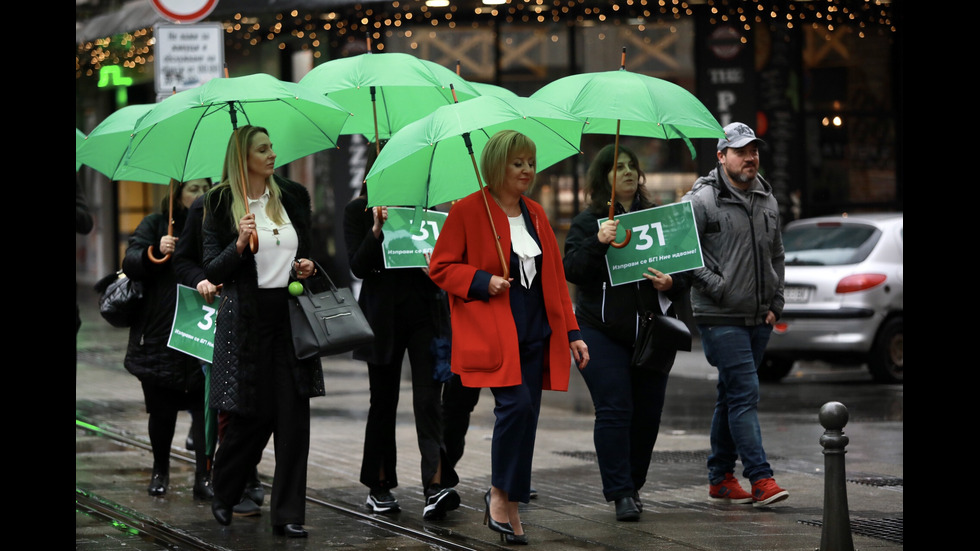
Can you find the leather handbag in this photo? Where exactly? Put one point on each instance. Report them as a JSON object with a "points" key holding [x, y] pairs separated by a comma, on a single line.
{"points": [[659, 335], [328, 322], [120, 299]]}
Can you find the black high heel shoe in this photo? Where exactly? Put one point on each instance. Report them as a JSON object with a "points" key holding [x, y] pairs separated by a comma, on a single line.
{"points": [[222, 513], [514, 539], [290, 530], [158, 483], [503, 528]]}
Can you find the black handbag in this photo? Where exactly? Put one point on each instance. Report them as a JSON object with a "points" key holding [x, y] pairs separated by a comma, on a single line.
{"points": [[326, 323], [659, 335], [120, 299]]}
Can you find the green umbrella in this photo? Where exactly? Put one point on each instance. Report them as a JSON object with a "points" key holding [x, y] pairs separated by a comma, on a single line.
{"points": [[186, 135], [623, 102], [79, 140], [105, 147], [434, 160], [493, 90], [386, 92]]}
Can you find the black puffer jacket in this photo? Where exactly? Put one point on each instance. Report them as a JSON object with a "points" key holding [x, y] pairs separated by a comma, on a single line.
{"points": [[233, 369], [148, 357], [614, 310]]}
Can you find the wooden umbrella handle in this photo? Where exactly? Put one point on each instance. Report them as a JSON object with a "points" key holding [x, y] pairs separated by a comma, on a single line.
{"points": [[504, 264], [253, 238], [170, 227], [612, 201]]}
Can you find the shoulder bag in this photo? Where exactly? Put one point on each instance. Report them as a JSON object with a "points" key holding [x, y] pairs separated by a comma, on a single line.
{"points": [[326, 323], [120, 299], [659, 334]]}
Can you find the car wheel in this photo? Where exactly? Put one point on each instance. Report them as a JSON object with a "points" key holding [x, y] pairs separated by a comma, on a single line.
{"points": [[772, 369], [886, 362]]}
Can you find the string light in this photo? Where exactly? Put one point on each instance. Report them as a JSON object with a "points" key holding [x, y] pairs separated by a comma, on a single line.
{"points": [[323, 31]]}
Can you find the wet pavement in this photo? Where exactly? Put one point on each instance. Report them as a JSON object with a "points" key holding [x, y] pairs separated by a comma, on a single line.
{"points": [[569, 512]]}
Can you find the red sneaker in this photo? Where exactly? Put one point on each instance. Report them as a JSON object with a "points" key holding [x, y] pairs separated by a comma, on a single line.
{"points": [[766, 492], [729, 490]]}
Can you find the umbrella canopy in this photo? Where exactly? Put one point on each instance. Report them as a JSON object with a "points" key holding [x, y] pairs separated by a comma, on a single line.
{"points": [[428, 162], [638, 104], [105, 147], [493, 90], [79, 140], [386, 92], [186, 135]]}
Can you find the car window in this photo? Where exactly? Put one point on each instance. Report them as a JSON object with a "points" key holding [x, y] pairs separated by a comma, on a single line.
{"points": [[829, 244]]}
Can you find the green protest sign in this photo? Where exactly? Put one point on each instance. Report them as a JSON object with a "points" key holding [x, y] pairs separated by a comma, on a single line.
{"points": [[193, 329], [664, 238], [406, 240]]}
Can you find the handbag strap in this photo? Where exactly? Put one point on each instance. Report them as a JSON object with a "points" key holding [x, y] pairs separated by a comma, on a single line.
{"points": [[319, 271]]}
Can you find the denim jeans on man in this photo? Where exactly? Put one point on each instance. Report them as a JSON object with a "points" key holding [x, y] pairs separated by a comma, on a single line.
{"points": [[736, 352]]}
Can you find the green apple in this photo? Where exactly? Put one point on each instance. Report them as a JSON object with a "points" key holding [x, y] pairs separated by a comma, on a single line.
{"points": [[296, 288]]}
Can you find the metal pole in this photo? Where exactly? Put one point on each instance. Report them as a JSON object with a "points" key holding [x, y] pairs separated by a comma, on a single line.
{"points": [[836, 535]]}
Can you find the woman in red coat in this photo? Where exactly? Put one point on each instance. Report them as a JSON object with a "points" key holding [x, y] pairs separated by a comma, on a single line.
{"points": [[515, 335]]}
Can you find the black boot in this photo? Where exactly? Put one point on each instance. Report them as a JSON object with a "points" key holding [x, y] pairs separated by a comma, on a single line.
{"points": [[202, 486], [158, 483]]}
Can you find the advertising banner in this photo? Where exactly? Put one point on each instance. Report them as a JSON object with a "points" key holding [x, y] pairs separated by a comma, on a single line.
{"points": [[193, 329]]}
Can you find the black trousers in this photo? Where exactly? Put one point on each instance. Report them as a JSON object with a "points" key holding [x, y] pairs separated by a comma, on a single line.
{"points": [[280, 412], [380, 451]]}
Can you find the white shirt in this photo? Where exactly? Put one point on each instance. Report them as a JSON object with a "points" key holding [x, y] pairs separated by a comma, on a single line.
{"points": [[525, 247], [277, 245]]}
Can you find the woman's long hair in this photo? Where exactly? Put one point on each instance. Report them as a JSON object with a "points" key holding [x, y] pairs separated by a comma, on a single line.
{"points": [[236, 166], [496, 154], [597, 185]]}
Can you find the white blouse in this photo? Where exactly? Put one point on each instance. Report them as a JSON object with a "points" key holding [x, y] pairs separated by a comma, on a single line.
{"points": [[277, 245], [525, 247]]}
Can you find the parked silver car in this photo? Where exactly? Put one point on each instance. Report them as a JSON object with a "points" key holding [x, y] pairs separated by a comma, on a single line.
{"points": [[844, 296]]}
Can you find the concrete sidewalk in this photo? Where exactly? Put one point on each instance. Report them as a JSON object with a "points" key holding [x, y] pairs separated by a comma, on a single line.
{"points": [[570, 511]]}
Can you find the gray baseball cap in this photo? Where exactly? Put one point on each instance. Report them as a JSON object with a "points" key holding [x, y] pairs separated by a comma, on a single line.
{"points": [[738, 134]]}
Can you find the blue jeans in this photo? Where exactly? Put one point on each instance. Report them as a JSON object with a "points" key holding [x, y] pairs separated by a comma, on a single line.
{"points": [[736, 352]]}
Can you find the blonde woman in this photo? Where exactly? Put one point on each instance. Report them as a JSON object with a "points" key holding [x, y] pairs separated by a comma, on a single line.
{"points": [[255, 376], [512, 335]]}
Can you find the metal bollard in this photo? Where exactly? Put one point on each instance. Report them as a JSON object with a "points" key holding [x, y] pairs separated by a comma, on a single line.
{"points": [[836, 535]]}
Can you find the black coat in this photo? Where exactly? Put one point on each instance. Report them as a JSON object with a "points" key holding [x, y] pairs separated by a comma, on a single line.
{"points": [[385, 293], [147, 356], [189, 254], [233, 369]]}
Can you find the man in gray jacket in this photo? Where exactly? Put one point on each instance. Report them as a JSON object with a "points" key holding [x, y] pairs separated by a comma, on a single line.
{"points": [[736, 297]]}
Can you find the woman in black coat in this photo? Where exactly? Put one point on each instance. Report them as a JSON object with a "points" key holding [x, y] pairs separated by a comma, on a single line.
{"points": [[172, 381], [255, 376], [628, 402], [402, 306]]}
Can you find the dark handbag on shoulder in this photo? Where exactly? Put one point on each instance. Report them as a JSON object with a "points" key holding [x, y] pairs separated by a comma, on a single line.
{"points": [[120, 299], [326, 323], [658, 335]]}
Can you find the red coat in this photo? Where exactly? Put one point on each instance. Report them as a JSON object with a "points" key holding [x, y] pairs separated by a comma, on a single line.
{"points": [[485, 349]]}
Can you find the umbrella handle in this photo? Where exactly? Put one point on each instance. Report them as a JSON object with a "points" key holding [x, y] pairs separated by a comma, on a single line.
{"points": [[253, 239], [170, 228], [504, 265], [612, 200]]}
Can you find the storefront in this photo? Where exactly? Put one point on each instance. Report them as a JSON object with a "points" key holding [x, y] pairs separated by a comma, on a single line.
{"points": [[820, 81]]}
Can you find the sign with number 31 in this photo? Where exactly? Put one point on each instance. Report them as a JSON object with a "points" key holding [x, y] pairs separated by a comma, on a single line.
{"points": [[193, 328]]}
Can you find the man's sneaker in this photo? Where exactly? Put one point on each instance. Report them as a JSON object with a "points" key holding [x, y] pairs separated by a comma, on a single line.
{"points": [[729, 490], [766, 492], [437, 504], [246, 508], [381, 501]]}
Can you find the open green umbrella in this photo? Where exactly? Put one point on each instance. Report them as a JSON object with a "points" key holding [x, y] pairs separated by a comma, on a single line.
{"points": [[185, 136], [623, 102], [434, 160], [105, 147], [79, 140], [386, 92]]}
